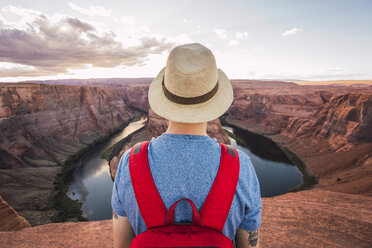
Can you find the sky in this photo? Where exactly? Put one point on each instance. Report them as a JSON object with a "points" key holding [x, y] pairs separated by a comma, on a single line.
{"points": [[276, 39]]}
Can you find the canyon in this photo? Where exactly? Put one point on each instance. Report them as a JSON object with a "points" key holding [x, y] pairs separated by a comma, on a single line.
{"points": [[43, 127], [326, 126]]}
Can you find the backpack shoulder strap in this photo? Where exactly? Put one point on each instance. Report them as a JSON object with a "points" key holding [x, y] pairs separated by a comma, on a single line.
{"points": [[148, 199], [218, 202]]}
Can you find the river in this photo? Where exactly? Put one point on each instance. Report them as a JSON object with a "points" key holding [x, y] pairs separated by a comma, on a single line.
{"points": [[274, 171], [91, 183]]}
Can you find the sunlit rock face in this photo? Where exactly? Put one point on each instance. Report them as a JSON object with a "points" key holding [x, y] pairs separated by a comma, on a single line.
{"points": [[336, 143], [343, 120], [9, 219], [295, 220], [42, 125], [328, 127], [267, 106]]}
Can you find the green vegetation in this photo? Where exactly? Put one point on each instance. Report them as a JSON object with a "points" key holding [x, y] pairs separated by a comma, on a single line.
{"points": [[115, 149], [106, 154], [66, 207]]}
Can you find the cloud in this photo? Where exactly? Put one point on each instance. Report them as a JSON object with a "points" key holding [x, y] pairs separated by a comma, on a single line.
{"points": [[128, 20], [231, 38], [221, 33], [241, 35], [91, 11], [47, 45], [16, 70], [233, 42], [292, 31]]}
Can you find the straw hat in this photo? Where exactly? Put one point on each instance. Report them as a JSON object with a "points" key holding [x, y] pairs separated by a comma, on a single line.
{"points": [[190, 88]]}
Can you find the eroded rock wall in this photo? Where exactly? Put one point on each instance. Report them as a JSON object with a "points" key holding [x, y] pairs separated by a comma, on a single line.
{"points": [[336, 143], [135, 97], [328, 127], [42, 125]]}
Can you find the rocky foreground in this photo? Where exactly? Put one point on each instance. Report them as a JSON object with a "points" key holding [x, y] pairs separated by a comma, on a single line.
{"points": [[314, 218]]}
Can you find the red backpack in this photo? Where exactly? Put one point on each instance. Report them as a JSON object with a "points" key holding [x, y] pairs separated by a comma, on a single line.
{"points": [[206, 227]]}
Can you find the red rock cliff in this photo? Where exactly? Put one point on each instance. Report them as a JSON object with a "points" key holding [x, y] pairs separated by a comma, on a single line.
{"points": [[135, 96], [336, 143], [327, 127], [41, 127], [10, 220]]}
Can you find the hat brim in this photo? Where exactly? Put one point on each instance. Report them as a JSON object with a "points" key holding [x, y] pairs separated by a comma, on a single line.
{"points": [[193, 113]]}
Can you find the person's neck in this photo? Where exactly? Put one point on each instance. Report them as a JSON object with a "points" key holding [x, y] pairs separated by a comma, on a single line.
{"points": [[187, 128]]}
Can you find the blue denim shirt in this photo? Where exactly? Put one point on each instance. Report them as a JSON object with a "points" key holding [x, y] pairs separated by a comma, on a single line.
{"points": [[185, 166]]}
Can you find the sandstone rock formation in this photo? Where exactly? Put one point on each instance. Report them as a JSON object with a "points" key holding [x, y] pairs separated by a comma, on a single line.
{"points": [[336, 143], [10, 220], [314, 218], [317, 218], [345, 119], [42, 126], [135, 97], [266, 107], [328, 127]]}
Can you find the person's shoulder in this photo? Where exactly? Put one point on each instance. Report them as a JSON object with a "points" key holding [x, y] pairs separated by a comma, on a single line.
{"points": [[244, 158], [123, 164], [246, 166], [124, 160]]}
